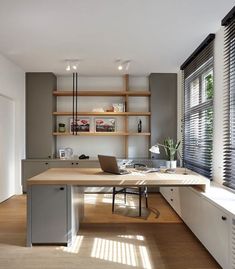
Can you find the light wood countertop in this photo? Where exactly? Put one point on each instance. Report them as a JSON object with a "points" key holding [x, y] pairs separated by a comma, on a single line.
{"points": [[95, 177]]}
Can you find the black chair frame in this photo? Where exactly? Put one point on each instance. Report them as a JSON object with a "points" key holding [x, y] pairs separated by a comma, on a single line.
{"points": [[142, 191]]}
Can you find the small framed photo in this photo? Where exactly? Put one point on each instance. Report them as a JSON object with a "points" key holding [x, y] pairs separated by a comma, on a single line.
{"points": [[105, 125], [81, 125], [62, 154]]}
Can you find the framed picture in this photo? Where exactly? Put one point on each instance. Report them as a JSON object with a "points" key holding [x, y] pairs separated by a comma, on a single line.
{"points": [[82, 125], [105, 125], [62, 154]]}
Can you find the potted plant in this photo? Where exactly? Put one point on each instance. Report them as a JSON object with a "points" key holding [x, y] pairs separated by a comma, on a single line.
{"points": [[171, 149]]}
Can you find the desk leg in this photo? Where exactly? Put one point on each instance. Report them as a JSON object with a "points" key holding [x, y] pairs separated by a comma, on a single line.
{"points": [[75, 212]]}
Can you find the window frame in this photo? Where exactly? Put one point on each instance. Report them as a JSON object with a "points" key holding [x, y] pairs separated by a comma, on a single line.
{"points": [[203, 105]]}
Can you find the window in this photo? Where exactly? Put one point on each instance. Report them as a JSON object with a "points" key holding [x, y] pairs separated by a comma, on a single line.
{"points": [[229, 99], [198, 109]]}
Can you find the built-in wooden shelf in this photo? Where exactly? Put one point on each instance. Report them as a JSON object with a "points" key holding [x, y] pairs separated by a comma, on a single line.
{"points": [[103, 113], [103, 93], [102, 134], [126, 95]]}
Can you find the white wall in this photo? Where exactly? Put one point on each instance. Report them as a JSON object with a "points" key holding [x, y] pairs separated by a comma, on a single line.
{"points": [[217, 167], [12, 86], [93, 145], [7, 149]]}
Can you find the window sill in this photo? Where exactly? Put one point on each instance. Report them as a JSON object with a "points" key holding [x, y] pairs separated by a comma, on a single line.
{"points": [[220, 196]]}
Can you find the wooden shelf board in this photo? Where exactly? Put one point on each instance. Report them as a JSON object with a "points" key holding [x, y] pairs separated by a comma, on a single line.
{"points": [[103, 113], [102, 134], [103, 93]]}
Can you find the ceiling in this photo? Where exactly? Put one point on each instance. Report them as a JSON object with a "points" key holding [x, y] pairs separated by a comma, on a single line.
{"points": [[156, 35]]}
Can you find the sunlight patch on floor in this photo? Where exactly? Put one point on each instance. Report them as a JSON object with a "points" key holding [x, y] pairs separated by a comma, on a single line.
{"points": [[122, 252], [75, 246], [119, 200], [136, 237], [90, 199]]}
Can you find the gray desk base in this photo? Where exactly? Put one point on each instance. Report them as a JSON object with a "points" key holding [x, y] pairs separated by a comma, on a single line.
{"points": [[53, 214]]}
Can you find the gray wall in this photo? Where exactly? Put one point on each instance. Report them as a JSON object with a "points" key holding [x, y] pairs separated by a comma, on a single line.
{"points": [[163, 87]]}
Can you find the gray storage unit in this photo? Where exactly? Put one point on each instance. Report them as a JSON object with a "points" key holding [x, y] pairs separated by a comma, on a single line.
{"points": [[40, 122], [163, 87], [31, 169], [54, 213], [49, 214]]}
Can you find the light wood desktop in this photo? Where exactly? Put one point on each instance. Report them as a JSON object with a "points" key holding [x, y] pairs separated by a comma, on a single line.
{"points": [[96, 177]]}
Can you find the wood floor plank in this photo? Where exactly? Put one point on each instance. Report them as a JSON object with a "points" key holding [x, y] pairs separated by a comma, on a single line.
{"points": [[106, 240]]}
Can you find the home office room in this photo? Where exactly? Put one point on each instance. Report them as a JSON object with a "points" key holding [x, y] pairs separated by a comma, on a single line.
{"points": [[117, 132]]}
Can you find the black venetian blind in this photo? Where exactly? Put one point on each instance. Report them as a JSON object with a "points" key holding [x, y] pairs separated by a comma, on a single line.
{"points": [[229, 99], [198, 108]]}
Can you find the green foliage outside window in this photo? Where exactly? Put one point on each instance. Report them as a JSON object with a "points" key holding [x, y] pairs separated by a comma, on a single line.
{"points": [[209, 91], [209, 86]]}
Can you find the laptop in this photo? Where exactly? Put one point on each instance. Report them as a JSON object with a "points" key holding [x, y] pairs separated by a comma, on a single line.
{"points": [[109, 164]]}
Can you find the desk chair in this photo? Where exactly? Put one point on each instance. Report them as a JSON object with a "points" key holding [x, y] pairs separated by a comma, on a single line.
{"points": [[140, 191]]}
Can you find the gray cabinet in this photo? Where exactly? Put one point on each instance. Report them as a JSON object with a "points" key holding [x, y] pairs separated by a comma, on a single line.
{"points": [[53, 213], [40, 123], [31, 169], [163, 89], [49, 214]]}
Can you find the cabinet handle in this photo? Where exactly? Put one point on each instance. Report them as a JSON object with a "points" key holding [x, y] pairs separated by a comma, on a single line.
{"points": [[72, 163], [171, 200], [46, 163], [76, 163], [171, 189], [61, 188], [223, 218]]}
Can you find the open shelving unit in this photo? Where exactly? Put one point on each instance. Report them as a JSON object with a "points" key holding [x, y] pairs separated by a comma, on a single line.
{"points": [[103, 113], [102, 134], [103, 93], [126, 94]]}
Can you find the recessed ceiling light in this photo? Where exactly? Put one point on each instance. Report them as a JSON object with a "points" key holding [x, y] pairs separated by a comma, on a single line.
{"points": [[120, 67], [68, 68], [122, 64], [71, 64], [74, 66]]}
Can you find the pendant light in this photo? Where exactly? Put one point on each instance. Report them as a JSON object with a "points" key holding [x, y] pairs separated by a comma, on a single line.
{"points": [[75, 102]]}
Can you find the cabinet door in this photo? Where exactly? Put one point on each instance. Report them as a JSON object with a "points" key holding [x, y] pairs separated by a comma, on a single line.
{"points": [[61, 164], [176, 200], [31, 169], [191, 213], [215, 232], [40, 123], [166, 193], [49, 214]]}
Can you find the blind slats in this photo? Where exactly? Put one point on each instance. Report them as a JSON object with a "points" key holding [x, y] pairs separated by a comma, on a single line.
{"points": [[229, 105], [198, 112]]}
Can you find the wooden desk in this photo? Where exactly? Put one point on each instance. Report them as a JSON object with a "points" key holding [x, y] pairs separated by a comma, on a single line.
{"points": [[55, 197], [95, 177]]}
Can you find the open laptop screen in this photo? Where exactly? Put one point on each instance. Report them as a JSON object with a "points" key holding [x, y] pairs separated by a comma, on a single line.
{"points": [[109, 164]]}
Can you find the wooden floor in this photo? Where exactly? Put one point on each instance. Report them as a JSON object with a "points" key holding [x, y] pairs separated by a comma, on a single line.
{"points": [[159, 240]]}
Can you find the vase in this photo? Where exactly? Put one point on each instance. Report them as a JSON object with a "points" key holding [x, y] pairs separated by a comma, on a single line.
{"points": [[171, 164]]}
